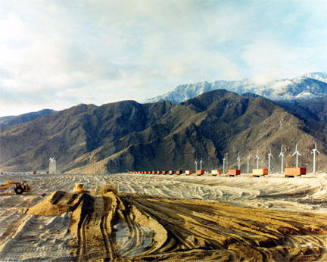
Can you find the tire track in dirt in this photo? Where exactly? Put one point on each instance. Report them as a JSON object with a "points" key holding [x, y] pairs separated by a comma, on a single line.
{"points": [[114, 226]]}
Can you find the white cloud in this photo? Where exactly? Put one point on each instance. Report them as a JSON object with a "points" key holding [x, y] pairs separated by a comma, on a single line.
{"points": [[59, 53]]}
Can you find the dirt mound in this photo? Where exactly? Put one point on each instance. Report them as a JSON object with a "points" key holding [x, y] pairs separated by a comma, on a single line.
{"points": [[57, 203], [122, 226]]}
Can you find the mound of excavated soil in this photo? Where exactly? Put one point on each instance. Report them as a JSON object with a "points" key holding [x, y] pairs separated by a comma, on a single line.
{"points": [[136, 227]]}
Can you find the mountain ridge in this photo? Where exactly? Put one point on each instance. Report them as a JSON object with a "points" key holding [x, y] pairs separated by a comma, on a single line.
{"points": [[127, 135], [19, 119]]}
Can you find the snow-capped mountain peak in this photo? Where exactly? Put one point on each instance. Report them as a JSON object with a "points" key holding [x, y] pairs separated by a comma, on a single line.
{"points": [[302, 87]]}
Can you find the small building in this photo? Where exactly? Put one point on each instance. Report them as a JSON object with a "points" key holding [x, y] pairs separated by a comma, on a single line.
{"points": [[295, 171], [52, 165], [260, 172], [199, 172], [215, 172], [234, 172]]}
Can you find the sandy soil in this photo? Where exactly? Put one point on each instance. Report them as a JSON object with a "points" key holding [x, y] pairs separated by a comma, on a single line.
{"points": [[167, 217]]}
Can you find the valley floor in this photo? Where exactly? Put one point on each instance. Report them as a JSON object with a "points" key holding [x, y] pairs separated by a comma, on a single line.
{"points": [[165, 217]]}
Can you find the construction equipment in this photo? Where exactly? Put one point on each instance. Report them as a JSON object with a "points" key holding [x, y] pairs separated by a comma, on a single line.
{"points": [[79, 188], [20, 187]]}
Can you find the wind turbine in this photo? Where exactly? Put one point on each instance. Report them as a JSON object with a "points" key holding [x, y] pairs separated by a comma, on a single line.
{"points": [[281, 155], [196, 165], [257, 158], [314, 151], [269, 156], [238, 161], [248, 163], [297, 154], [201, 164], [224, 165]]}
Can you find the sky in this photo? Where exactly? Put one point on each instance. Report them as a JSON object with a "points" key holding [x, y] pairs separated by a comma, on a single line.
{"points": [[57, 54]]}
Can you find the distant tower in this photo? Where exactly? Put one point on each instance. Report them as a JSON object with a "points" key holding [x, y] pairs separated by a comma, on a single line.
{"points": [[201, 164], [196, 165], [257, 158], [314, 151], [224, 165], [297, 154], [248, 164], [269, 156], [281, 155], [52, 165], [238, 161]]}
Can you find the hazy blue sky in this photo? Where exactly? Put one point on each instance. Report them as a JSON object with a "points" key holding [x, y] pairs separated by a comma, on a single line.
{"points": [[59, 53]]}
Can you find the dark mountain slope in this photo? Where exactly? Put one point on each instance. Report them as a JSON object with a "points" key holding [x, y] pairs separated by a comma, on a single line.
{"points": [[310, 109]]}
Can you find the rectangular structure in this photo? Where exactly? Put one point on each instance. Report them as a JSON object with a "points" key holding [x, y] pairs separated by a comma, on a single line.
{"points": [[179, 172], [260, 172], [215, 172], [295, 171], [188, 172], [234, 172], [171, 172], [199, 172]]}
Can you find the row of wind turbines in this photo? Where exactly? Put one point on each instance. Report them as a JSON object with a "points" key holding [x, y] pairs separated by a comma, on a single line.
{"points": [[296, 153]]}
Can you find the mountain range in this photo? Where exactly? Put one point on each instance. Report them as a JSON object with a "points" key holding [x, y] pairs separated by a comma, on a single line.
{"points": [[127, 135], [299, 88]]}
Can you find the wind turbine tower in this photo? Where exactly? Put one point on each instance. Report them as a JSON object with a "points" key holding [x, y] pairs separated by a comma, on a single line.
{"points": [[248, 164], [224, 165], [257, 158], [269, 157], [238, 161], [313, 152], [196, 165], [281, 155], [297, 154], [201, 164]]}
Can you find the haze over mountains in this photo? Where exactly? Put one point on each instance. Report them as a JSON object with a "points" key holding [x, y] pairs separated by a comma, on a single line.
{"points": [[128, 135], [14, 120]]}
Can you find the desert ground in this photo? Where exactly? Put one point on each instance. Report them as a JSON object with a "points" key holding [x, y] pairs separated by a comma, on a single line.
{"points": [[136, 217]]}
